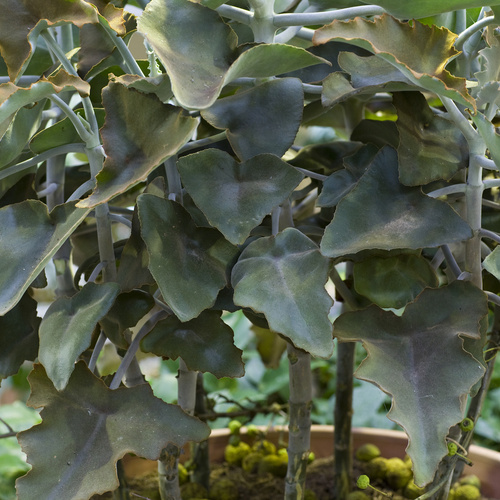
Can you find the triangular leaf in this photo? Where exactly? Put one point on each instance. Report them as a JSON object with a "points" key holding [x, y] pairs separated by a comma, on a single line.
{"points": [[492, 263], [195, 46], [87, 428], [246, 192], [489, 134], [189, 263], [18, 336], [405, 360], [382, 213], [139, 133], [407, 48], [204, 343], [393, 281], [430, 146], [284, 278], [263, 119], [66, 329], [30, 237]]}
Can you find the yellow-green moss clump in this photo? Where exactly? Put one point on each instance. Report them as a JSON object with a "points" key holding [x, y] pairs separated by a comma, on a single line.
{"points": [[367, 452], [224, 489], [234, 454], [310, 495], [398, 475], [193, 490], [265, 447], [412, 491], [466, 492], [183, 474], [251, 462], [470, 479], [274, 465], [357, 495], [376, 468]]}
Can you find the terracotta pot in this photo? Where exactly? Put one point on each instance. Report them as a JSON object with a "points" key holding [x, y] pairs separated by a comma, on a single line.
{"points": [[486, 463]]}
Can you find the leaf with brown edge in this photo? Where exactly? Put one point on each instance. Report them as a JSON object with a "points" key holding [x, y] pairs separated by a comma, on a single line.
{"points": [[87, 427], [407, 48], [13, 98], [22, 21], [405, 359], [139, 133]]}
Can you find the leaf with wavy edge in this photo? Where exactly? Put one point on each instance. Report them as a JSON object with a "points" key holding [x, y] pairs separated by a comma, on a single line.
{"points": [[205, 344], [87, 428], [382, 213], [405, 359], [30, 237], [284, 278], [199, 51], [22, 21], [66, 329], [188, 262], [411, 9], [12, 97], [247, 191], [139, 133], [407, 48]]}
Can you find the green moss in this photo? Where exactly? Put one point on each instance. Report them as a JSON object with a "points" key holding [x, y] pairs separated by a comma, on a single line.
{"points": [[398, 475], [310, 495], [251, 462], [467, 492], [234, 455], [376, 468], [183, 474], [274, 465], [357, 495], [367, 452], [224, 489], [265, 447], [472, 480], [193, 490], [412, 491]]}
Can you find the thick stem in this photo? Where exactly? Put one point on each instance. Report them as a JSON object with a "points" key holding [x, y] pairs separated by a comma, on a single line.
{"points": [[300, 422], [262, 22]]}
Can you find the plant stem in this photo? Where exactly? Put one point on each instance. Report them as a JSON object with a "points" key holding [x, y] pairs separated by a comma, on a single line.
{"points": [[308, 18], [31, 162], [120, 44], [262, 22], [300, 381], [81, 125], [473, 28], [235, 13]]}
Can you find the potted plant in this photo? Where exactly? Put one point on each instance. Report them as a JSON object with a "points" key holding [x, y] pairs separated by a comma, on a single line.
{"points": [[160, 192]]}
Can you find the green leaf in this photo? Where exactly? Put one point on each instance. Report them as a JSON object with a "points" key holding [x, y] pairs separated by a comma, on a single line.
{"points": [[30, 237], [18, 336], [246, 192], [62, 132], [189, 263], [87, 428], [125, 313], [133, 270], [159, 85], [140, 132], [405, 359], [492, 263], [407, 48], [66, 329], [22, 21], [489, 134], [393, 281], [263, 119], [284, 278], [204, 343], [21, 128], [382, 213], [195, 46], [199, 52], [430, 146], [13, 98], [409, 9]]}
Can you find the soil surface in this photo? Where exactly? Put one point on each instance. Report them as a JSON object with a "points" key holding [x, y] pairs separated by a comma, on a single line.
{"points": [[251, 486]]}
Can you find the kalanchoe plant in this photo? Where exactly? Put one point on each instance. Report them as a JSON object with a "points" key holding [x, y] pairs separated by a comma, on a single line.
{"points": [[205, 155]]}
